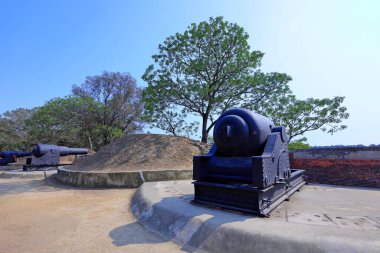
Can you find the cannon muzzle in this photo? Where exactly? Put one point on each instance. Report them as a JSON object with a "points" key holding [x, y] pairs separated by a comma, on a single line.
{"points": [[240, 132], [10, 156], [14, 153]]}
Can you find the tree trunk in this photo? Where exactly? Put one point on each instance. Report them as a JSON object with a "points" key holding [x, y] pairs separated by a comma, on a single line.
{"points": [[204, 129], [90, 142]]}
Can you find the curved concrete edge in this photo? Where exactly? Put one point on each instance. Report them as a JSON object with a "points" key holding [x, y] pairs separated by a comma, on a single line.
{"points": [[131, 179], [202, 229]]}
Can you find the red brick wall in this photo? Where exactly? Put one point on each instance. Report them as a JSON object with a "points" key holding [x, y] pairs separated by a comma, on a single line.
{"points": [[339, 171]]}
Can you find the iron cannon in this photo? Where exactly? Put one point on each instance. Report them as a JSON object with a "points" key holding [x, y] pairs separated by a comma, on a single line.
{"points": [[10, 156], [247, 169], [42, 149], [47, 155]]}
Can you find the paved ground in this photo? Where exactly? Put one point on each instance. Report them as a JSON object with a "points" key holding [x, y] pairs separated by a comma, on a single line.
{"points": [[45, 216]]}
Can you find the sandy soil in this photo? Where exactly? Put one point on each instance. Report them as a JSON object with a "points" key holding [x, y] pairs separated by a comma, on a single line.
{"points": [[44, 216], [144, 152]]}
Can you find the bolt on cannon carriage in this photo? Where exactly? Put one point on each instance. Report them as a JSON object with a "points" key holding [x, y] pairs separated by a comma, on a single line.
{"points": [[247, 168]]}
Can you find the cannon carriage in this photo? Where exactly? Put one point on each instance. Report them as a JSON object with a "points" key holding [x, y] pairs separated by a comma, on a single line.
{"points": [[247, 168]]}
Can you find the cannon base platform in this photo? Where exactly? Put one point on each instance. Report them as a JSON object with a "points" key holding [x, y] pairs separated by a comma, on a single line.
{"points": [[245, 198], [41, 167]]}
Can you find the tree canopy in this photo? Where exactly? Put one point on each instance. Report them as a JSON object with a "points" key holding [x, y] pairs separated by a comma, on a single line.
{"points": [[13, 131], [204, 71], [68, 121], [101, 109], [121, 98], [301, 116], [210, 68]]}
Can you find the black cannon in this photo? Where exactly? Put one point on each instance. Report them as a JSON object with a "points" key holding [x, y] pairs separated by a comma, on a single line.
{"points": [[48, 155], [10, 156], [247, 169]]}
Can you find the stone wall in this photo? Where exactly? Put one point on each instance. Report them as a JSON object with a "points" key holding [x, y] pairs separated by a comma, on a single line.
{"points": [[351, 166]]}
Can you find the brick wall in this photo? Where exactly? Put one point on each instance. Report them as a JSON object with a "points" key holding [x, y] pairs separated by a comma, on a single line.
{"points": [[338, 171]]}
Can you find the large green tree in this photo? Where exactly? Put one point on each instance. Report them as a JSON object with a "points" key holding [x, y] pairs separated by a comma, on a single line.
{"points": [[13, 133], [69, 121], [210, 68], [204, 71], [121, 98]]}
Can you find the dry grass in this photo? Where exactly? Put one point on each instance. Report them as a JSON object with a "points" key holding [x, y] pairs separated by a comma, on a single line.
{"points": [[144, 152]]}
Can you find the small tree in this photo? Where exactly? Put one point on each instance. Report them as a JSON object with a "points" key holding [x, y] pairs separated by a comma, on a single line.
{"points": [[298, 145], [121, 98]]}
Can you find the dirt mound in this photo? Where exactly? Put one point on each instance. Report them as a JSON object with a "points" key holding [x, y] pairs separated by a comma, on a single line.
{"points": [[144, 152]]}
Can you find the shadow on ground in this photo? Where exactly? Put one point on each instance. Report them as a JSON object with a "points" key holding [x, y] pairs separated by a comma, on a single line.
{"points": [[134, 233]]}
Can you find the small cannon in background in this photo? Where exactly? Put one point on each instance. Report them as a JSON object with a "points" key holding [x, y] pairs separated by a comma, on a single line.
{"points": [[10, 156], [247, 169], [48, 155]]}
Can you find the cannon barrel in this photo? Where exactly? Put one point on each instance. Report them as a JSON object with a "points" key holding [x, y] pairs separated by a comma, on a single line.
{"points": [[10, 156], [8, 153], [241, 132], [41, 149]]}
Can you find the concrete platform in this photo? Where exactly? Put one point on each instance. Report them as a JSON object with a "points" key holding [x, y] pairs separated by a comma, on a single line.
{"points": [[124, 179], [319, 218]]}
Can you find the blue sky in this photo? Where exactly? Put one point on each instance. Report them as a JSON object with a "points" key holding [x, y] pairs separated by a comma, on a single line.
{"points": [[328, 47]]}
